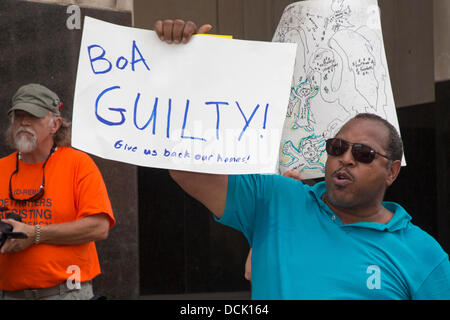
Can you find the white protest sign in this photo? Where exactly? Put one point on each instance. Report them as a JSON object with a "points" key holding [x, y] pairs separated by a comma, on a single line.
{"points": [[212, 105]]}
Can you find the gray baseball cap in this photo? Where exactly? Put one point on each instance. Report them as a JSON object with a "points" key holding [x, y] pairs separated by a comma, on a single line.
{"points": [[36, 100]]}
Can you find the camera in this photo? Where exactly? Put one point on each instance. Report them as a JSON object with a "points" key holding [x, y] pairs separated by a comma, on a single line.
{"points": [[6, 229]]}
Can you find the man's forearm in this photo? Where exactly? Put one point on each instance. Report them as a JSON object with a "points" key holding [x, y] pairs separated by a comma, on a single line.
{"points": [[209, 189], [90, 228]]}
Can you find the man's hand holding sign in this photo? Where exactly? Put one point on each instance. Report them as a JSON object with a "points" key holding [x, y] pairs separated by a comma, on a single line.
{"points": [[178, 31]]}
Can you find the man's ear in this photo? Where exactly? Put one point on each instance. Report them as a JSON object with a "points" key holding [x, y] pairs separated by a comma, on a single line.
{"points": [[393, 171], [56, 124]]}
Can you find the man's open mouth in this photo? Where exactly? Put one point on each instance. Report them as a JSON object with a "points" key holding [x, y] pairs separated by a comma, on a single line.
{"points": [[342, 178]]}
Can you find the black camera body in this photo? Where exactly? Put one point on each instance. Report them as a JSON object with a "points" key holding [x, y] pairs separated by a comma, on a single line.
{"points": [[6, 229]]}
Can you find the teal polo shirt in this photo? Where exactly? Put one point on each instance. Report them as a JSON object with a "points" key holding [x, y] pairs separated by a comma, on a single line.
{"points": [[301, 249]]}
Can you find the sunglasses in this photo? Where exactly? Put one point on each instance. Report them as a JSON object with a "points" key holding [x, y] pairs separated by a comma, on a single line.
{"points": [[38, 195], [361, 152]]}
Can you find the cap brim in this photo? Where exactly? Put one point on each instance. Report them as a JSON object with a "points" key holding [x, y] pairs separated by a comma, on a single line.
{"points": [[33, 109]]}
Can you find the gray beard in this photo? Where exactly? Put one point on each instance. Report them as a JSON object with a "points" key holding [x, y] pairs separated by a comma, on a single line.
{"points": [[23, 143]]}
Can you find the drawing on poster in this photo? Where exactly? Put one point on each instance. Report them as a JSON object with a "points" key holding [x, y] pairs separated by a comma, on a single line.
{"points": [[340, 71]]}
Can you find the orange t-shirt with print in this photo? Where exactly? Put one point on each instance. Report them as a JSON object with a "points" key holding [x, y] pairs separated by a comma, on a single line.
{"points": [[74, 188]]}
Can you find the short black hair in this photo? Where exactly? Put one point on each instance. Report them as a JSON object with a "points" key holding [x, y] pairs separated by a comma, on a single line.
{"points": [[394, 146]]}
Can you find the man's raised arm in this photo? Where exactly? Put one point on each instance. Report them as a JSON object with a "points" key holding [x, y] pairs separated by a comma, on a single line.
{"points": [[209, 189]]}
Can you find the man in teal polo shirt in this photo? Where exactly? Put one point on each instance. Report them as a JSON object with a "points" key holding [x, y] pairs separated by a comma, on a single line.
{"points": [[337, 239]]}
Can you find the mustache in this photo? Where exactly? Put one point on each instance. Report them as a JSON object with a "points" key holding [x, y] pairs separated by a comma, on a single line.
{"points": [[345, 170], [23, 129]]}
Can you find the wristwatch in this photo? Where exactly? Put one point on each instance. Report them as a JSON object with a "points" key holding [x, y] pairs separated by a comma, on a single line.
{"points": [[37, 233]]}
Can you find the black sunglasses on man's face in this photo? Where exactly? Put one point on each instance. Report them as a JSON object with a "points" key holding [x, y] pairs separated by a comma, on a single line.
{"points": [[361, 152]]}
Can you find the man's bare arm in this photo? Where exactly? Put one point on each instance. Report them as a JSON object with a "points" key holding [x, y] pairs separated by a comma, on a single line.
{"points": [[209, 189], [91, 228]]}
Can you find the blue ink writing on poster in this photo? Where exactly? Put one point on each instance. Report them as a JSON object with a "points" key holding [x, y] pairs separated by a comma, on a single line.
{"points": [[176, 154], [218, 114], [100, 64], [99, 58], [169, 111], [232, 159], [118, 65], [120, 110], [152, 116], [117, 116], [247, 121], [184, 125], [150, 152], [133, 57], [265, 116], [119, 144]]}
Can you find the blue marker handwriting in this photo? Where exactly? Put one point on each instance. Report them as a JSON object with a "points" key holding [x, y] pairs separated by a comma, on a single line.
{"points": [[162, 110], [117, 116], [101, 64], [168, 153]]}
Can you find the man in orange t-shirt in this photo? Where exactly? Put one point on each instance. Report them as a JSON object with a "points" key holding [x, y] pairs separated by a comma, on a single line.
{"points": [[61, 199]]}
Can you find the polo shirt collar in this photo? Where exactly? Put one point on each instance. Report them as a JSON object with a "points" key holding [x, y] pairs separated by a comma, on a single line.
{"points": [[399, 220]]}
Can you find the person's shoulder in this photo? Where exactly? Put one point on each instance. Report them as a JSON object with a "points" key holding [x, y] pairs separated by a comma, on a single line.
{"points": [[424, 245], [277, 185], [74, 153], [75, 157], [416, 233], [279, 178], [8, 162], [274, 180], [8, 158], [424, 255]]}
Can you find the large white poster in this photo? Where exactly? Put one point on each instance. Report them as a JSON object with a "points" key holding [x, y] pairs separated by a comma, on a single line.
{"points": [[213, 105], [340, 70]]}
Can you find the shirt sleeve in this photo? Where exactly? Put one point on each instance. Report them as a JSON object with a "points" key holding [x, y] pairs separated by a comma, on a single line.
{"points": [[437, 285], [245, 197], [91, 193]]}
